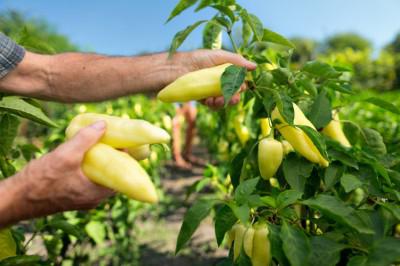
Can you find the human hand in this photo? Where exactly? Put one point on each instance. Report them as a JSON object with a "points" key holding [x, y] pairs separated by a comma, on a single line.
{"points": [[199, 59], [56, 182]]}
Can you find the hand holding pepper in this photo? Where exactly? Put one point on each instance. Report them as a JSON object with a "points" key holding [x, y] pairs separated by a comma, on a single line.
{"points": [[53, 183]]}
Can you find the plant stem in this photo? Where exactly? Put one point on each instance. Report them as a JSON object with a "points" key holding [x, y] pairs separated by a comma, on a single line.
{"points": [[233, 42]]}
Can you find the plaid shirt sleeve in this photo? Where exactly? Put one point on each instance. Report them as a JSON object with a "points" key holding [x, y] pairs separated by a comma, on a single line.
{"points": [[10, 55]]}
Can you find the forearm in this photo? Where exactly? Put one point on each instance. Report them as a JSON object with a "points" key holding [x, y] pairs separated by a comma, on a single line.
{"points": [[84, 77], [77, 77]]}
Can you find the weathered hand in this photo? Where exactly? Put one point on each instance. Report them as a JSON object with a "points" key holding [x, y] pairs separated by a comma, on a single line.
{"points": [[59, 180], [195, 60]]}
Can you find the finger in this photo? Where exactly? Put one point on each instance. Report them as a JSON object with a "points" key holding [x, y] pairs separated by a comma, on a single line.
{"points": [[209, 102], [219, 102], [235, 99], [237, 59], [243, 87], [86, 137]]}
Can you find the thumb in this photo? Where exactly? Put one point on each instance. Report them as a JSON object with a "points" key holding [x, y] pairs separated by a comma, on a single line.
{"points": [[87, 137]]}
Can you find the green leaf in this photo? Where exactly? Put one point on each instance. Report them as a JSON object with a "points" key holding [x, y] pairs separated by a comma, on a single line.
{"points": [[285, 107], [225, 11], [268, 200], [181, 36], [333, 174], [383, 104], [241, 212], [325, 251], [287, 198], [97, 231], [224, 220], [6, 167], [180, 7], [191, 221], [243, 259], [357, 261], [224, 22], [343, 157], [211, 35], [245, 189], [321, 111], [321, 70], [295, 245], [282, 76], [67, 228], [341, 87], [296, 170], [374, 141], [308, 85], [276, 244], [350, 182], [246, 32], [270, 36], [28, 151], [316, 138], [254, 23], [8, 131], [203, 4], [236, 168], [24, 260], [393, 209], [231, 80], [339, 212], [384, 252], [18, 106]]}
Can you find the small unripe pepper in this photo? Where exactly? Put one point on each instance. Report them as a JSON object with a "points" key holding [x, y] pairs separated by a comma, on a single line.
{"points": [[297, 137], [261, 246], [334, 130], [139, 152], [197, 85], [239, 235], [270, 154], [265, 127], [287, 147], [241, 130], [248, 241]]}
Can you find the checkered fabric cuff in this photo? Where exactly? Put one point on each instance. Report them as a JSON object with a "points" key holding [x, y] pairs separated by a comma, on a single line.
{"points": [[10, 55]]}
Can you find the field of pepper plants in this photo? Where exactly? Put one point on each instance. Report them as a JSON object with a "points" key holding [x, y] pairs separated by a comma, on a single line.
{"points": [[304, 170]]}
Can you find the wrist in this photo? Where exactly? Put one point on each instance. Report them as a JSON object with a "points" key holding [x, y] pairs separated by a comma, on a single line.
{"points": [[13, 200]]}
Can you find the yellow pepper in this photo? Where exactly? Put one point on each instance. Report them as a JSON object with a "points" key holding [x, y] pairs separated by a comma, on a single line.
{"points": [[117, 170], [248, 241], [270, 155], [8, 247], [241, 130], [265, 127], [297, 137], [139, 152], [287, 147], [261, 246], [237, 245], [334, 130], [197, 85], [231, 236], [120, 132]]}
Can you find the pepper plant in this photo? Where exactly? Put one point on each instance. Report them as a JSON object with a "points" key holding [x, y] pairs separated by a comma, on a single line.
{"points": [[343, 211]]}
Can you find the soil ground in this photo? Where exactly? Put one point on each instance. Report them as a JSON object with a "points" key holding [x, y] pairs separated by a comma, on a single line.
{"points": [[158, 247]]}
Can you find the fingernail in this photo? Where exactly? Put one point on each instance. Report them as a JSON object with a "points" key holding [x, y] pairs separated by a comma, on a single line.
{"points": [[99, 125], [252, 64]]}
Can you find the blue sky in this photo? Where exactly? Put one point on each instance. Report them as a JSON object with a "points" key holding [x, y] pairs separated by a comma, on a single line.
{"points": [[126, 27]]}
